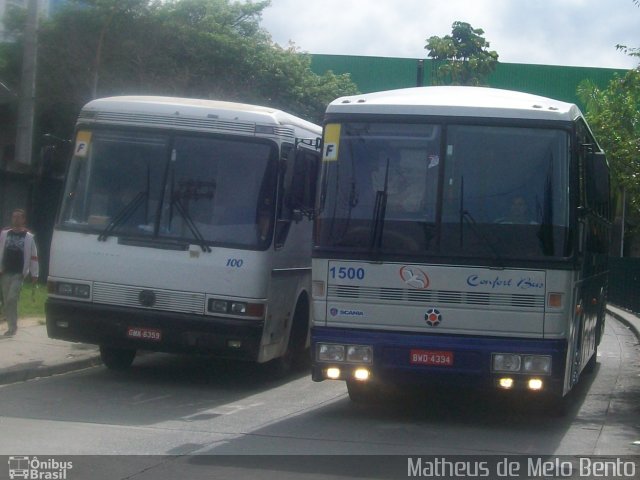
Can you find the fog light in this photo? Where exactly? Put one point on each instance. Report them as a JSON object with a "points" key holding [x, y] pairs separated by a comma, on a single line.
{"points": [[535, 384], [62, 324], [506, 383], [234, 344], [362, 374], [333, 373]]}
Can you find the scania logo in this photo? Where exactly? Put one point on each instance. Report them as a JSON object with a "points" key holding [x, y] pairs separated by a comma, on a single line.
{"points": [[414, 277], [147, 298]]}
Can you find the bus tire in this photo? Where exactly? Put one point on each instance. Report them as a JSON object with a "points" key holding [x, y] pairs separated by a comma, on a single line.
{"points": [[118, 359], [296, 356], [300, 356], [363, 392], [590, 367], [600, 329]]}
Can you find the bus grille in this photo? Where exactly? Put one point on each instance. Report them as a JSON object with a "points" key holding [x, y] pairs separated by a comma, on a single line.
{"points": [[436, 296], [165, 300]]}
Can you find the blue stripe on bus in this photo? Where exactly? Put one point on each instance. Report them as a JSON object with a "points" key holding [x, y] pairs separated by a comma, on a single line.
{"points": [[472, 355]]}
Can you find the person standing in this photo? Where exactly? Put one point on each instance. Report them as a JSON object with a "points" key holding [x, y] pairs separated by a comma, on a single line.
{"points": [[18, 259]]}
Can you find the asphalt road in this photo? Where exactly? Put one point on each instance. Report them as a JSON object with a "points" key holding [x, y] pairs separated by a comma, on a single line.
{"points": [[183, 409]]}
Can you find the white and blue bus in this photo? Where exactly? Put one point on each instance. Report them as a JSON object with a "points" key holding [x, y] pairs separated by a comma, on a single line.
{"points": [[461, 236], [185, 227]]}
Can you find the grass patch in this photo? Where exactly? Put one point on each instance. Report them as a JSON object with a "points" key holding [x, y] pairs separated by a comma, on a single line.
{"points": [[32, 300]]}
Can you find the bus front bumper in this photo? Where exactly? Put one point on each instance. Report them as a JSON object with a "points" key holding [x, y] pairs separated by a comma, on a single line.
{"points": [[420, 359], [123, 327]]}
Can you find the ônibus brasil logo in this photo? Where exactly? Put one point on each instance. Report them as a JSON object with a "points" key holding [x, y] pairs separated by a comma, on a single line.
{"points": [[414, 277], [38, 469], [433, 317]]}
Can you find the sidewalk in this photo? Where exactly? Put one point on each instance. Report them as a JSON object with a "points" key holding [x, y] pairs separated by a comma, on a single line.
{"points": [[627, 318], [31, 353]]}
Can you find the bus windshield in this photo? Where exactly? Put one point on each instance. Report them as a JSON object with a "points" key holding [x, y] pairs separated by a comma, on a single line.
{"points": [[455, 191], [219, 191]]}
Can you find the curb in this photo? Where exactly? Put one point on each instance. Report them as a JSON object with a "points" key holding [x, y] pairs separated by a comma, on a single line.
{"points": [[15, 376], [626, 322]]}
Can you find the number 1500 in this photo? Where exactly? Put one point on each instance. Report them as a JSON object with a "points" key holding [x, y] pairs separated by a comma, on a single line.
{"points": [[344, 272]]}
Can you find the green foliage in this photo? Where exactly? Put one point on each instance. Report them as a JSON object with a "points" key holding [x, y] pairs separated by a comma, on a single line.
{"points": [[213, 49], [32, 298], [614, 115], [462, 58]]}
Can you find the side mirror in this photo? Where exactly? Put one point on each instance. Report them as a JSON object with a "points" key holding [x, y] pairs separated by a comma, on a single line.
{"points": [[55, 155]]}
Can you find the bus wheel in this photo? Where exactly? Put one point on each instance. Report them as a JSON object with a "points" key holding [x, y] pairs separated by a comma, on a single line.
{"points": [[117, 358], [297, 355], [363, 392], [590, 367], [600, 329]]}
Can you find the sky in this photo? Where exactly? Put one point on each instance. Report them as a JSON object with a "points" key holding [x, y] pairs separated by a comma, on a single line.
{"points": [[548, 32]]}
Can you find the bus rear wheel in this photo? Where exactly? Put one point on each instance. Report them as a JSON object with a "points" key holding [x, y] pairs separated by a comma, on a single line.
{"points": [[118, 359]]}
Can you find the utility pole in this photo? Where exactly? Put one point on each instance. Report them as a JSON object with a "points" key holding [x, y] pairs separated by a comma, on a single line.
{"points": [[624, 214], [24, 134]]}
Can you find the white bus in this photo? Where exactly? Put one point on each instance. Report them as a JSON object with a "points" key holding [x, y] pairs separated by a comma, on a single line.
{"points": [[461, 237], [185, 227]]}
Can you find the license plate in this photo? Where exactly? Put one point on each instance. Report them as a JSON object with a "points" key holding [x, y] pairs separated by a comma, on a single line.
{"points": [[150, 334], [430, 357]]}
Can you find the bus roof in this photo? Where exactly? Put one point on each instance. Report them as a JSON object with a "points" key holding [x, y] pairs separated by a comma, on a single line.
{"points": [[158, 110], [457, 101]]}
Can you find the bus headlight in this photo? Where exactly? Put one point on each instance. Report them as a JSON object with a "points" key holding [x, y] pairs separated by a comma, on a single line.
{"points": [[537, 364], [359, 354], [232, 307], [328, 352], [238, 308], [506, 362], [67, 289]]}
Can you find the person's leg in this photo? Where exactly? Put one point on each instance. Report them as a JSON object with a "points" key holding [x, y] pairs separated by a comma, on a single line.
{"points": [[11, 287]]}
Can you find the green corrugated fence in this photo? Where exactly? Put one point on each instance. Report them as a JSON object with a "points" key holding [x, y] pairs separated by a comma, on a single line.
{"points": [[372, 74]]}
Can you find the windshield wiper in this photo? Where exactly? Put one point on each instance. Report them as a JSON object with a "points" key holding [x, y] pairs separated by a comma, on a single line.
{"points": [[190, 224], [379, 213], [122, 216], [466, 215]]}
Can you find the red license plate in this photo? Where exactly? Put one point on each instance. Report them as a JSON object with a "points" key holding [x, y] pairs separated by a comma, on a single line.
{"points": [[431, 357], [150, 334]]}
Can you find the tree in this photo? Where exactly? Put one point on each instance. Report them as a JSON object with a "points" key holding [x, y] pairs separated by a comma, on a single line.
{"points": [[212, 49], [462, 58], [614, 115]]}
